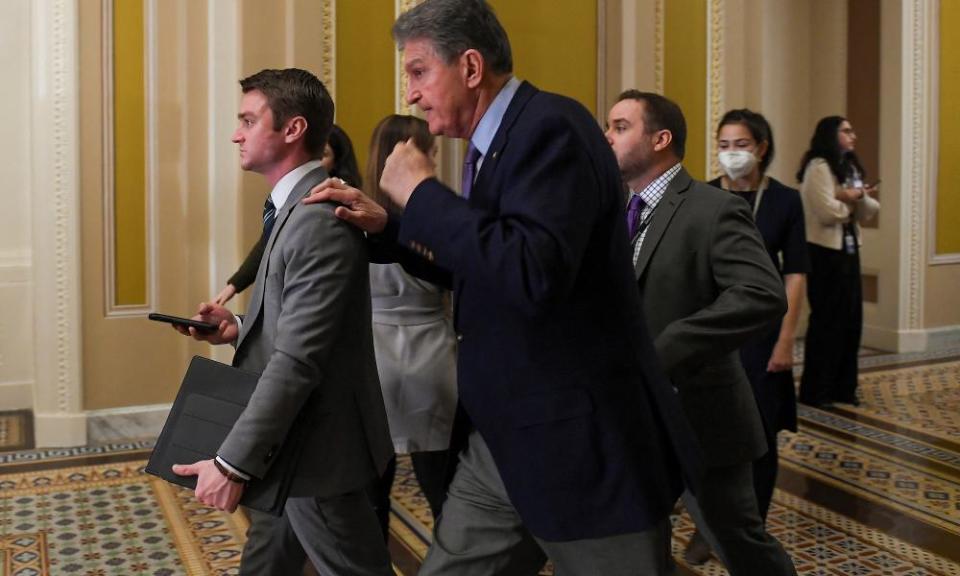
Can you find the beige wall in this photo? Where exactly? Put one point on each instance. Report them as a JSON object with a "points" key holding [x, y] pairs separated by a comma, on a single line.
{"points": [[16, 318], [786, 60]]}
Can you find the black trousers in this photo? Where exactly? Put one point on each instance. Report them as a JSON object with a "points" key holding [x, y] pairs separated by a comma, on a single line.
{"points": [[430, 470], [765, 471], [836, 324]]}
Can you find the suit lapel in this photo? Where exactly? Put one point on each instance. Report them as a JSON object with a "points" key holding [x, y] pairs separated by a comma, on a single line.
{"points": [[662, 215], [256, 299], [481, 185], [524, 92]]}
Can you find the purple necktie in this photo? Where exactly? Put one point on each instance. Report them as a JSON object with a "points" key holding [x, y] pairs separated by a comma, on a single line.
{"points": [[469, 170], [634, 208]]}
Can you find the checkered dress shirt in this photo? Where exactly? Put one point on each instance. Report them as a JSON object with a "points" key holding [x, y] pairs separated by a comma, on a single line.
{"points": [[651, 196]]}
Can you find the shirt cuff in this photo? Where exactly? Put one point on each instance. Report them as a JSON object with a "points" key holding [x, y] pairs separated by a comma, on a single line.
{"points": [[237, 471]]}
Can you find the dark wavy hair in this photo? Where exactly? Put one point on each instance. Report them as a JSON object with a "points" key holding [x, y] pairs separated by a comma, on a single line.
{"points": [[758, 127], [344, 159], [391, 130], [826, 144], [292, 92]]}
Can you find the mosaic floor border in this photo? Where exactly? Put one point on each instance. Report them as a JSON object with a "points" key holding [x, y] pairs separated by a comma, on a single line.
{"points": [[824, 543], [924, 400], [907, 444], [46, 454], [875, 476]]}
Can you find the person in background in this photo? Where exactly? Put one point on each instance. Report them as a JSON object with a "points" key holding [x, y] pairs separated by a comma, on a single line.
{"points": [[707, 286], [414, 342], [745, 144], [340, 162], [836, 200], [339, 158]]}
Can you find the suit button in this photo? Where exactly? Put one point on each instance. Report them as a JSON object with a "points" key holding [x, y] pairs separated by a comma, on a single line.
{"points": [[459, 337]]}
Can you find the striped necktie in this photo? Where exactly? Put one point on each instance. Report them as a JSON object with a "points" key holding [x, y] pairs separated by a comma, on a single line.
{"points": [[269, 216]]}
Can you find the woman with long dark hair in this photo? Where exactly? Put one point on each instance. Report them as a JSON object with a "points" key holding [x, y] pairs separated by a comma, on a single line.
{"points": [[414, 342], [836, 200]]}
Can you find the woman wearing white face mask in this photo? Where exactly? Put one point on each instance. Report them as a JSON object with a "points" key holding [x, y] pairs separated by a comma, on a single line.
{"points": [[745, 144]]}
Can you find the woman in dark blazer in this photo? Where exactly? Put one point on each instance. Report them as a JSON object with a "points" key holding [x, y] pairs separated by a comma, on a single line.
{"points": [[745, 143]]}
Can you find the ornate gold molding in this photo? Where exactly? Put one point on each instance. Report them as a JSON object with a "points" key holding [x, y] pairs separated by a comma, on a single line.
{"points": [[328, 37], [921, 163], [715, 17], [658, 44], [401, 79]]}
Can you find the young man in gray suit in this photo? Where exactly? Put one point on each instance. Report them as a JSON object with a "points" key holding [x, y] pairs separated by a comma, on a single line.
{"points": [[707, 284], [307, 332]]}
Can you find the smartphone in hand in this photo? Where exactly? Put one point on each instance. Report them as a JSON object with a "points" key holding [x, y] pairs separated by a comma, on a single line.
{"points": [[185, 322]]}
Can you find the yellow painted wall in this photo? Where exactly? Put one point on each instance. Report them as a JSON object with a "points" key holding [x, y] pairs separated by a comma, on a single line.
{"points": [[130, 154], [948, 195], [685, 73], [366, 56], [554, 45]]}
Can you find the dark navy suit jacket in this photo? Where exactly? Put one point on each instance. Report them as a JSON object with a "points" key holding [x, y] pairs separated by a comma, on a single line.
{"points": [[556, 369]]}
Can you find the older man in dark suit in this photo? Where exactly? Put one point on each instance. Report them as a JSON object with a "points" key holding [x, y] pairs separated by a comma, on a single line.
{"points": [[707, 285], [568, 455]]}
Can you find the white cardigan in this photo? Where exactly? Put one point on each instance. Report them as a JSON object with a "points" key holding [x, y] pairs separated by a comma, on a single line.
{"points": [[824, 213]]}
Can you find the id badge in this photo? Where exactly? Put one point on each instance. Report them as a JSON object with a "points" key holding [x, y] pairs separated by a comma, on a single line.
{"points": [[849, 243]]}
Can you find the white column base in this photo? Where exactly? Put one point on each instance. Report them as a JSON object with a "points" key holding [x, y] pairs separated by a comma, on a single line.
{"points": [[904, 341]]}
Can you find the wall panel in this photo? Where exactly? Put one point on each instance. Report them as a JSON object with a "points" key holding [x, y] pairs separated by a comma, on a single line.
{"points": [[947, 239], [685, 74], [366, 76], [554, 45], [128, 192]]}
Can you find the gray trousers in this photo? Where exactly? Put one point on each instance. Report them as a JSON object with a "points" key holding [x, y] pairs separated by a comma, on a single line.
{"points": [[725, 510], [479, 533], [340, 535]]}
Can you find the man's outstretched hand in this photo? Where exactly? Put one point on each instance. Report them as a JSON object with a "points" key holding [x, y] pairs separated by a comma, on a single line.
{"points": [[356, 207]]}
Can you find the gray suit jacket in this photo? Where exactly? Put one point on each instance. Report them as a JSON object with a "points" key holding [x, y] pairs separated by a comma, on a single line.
{"points": [[307, 331], [707, 285]]}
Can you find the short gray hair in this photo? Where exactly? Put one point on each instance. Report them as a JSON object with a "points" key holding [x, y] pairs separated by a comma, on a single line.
{"points": [[455, 26]]}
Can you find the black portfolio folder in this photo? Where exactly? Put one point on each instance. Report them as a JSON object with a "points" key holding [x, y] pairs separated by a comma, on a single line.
{"points": [[211, 398]]}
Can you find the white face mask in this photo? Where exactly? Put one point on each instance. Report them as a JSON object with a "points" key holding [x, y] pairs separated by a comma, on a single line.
{"points": [[737, 163]]}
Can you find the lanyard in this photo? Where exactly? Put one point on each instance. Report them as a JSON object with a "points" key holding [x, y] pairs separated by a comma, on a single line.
{"points": [[764, 182]]}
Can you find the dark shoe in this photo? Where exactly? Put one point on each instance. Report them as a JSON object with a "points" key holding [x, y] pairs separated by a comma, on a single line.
{"points": [[697, 551], [852, 400]]}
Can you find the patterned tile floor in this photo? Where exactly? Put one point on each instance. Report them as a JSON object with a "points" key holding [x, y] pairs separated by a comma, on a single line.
{"points": [[111, 519], [865, 490]]}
